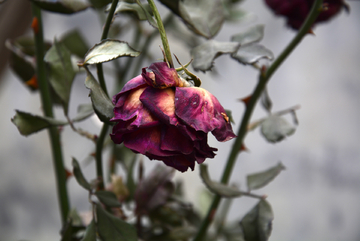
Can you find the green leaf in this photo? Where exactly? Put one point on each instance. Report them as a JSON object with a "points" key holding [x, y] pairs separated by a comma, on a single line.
{"points": [[205, 53], [107, 198], [124, 7], [275, 128], [79, 175], [28, 123], [261, 179], [84, 112], [61, 72], [111, 228], [75, 43], [218, 188], [257, 224], [108, 50], [90, 233], [252, 35], [251, 53], [101, 102], [62, 6], [203, 17]]}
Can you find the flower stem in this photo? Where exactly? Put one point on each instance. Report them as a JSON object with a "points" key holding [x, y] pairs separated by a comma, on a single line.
{"points": [[162, 33], [105, 127], [98, 155], [146, 45], [263, 79], [46, 102], [104, 35]]}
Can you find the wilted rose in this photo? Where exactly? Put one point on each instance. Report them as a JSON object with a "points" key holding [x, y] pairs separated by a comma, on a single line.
{"points": [[296, 11], [160, 115]]}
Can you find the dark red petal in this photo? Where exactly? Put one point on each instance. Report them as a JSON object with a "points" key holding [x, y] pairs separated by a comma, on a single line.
{"points": [[173, 140], [201, 110], [146, 141], [160, 76]]}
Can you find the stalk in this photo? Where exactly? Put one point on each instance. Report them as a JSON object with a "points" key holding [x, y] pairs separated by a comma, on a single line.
{"points": [[105, 127], [46, 102], [264, 77]]}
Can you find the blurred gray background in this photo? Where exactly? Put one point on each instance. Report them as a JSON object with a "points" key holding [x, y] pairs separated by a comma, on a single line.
{"points": [[316, 198]]}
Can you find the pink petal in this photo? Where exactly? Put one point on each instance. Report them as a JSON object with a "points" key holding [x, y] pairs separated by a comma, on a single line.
{"points": [[202, 111], [137, 82]]}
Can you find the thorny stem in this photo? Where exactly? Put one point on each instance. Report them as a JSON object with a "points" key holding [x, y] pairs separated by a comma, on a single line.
{"points": [[263, 79], [105, 127], [104, 35], [47, 107], [162, 33]]}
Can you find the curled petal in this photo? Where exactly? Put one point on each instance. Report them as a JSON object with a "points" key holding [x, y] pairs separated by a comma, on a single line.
{"points": [[201, 110], [137, 82], [129, 107], [160, 76], [161, 103]]}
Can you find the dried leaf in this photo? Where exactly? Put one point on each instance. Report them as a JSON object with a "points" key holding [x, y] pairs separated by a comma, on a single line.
{"points": [[79, 176], [112, 228], [28, 123], [257, 224], [61, 72], [101, 102], [251, 53], [107, 198], [62, 6], [108, 50], [75, 43], [132, 8], [84, 112], [218, 188], [252, 35], [90, 233], [266, 101], [205, 54], [261, 179], [275, 128]]}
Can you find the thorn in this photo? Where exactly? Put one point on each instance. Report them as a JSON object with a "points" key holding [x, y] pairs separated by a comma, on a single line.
{"points": [[311, 32], [246, 100], [68, 174], [244, 148], [35, 25], [33, 83], [263, 70]]}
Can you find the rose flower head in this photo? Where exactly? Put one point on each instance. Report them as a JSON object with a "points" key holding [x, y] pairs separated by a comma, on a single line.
{"points": [[296, 11], [160, 115]]}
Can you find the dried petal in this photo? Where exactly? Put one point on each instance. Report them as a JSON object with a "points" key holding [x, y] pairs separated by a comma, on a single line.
{"points": [[201, 110], [161, 76]]}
